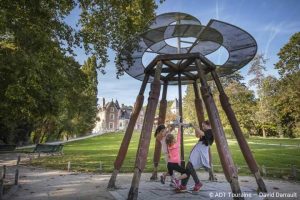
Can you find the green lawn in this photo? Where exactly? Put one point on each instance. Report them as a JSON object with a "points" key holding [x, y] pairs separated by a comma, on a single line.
{"points": [[85, 155]]}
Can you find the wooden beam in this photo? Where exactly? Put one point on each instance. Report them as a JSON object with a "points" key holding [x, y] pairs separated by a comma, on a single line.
{"points": [[239, 134], [188, 74], [207, 62], [170, 75], [170, 64], [186, 63], [143, 147], [181, 120], [128, 134], [161, 120], [183, 78], [186, 69], [229, 168], [198, 105], [200, 117], [183, 56]]}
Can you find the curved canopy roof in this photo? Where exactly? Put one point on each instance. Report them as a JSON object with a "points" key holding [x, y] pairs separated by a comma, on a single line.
{"points": [[241, 46]]}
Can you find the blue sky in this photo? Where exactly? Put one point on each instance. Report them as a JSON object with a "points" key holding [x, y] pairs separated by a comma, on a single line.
{"points": [[270, 22]]}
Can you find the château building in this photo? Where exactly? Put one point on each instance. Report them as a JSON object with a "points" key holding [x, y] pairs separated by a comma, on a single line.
{"points": [[113, 117]]}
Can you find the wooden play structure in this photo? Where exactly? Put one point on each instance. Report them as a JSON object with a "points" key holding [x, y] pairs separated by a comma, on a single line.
{"points": [[182, 64]]}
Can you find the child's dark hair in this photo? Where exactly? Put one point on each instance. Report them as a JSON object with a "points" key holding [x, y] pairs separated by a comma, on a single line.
{"points": [[169, 139], [208, 138], [158, 129]]}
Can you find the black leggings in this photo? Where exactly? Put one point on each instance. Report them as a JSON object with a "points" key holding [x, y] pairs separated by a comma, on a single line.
{"points": [[176, 167], [190, 171]]}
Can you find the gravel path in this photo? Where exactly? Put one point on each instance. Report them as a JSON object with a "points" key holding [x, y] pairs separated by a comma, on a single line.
{"points": [[45, 184]]}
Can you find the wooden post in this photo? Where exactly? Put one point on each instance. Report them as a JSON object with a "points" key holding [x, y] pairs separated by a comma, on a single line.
{"points": [[198, 105], [2, 182], [294, 172], [4, 172], [69, 166], [219, 135], [200, 117], [100, 167], [128, 134], [161, 120], [142, 152], [1, 188], [17, 171], [181, 120], [239, 135]]}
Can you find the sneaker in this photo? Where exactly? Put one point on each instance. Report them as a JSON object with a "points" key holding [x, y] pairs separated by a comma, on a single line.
{"points": [[175, 181], [181, 188], [197, 187], [162, 179]]}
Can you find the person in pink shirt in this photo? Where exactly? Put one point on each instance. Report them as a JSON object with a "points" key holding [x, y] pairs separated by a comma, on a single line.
{"points": [[160, 134], [173, 146]]}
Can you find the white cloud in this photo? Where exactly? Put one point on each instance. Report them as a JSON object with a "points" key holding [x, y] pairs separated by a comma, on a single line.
{"points": [[273, 32]]}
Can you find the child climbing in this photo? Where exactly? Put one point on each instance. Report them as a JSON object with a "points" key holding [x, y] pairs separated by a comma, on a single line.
{"points": [[173, 147], [199, 156], [160, 134]]}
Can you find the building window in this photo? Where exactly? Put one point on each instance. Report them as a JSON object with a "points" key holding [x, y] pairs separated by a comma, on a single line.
{"points": [[121, 124], [112, 109], [111, 125], [112, 116]]}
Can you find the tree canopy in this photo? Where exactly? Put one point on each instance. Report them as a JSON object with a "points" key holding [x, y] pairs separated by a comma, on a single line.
{"points": [[45, 93]]}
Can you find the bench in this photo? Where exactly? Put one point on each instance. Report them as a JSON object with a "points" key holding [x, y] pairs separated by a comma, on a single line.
{"points": [[7, 148], [48, 148]]}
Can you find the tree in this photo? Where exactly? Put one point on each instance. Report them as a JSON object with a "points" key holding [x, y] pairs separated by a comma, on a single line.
{"points": [[44, 92], [288, 99], [257, 67], [267, 114], [36, 74], [109, 24], [289, 62], [190, 114], [189, 111], [88, 108], [170, 116], [242, 101]]}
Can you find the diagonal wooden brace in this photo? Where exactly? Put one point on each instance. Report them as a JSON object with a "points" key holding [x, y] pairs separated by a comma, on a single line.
{"points": [[128, 134], [239, 134], [145, 137], [219, 135], [161, 120]]}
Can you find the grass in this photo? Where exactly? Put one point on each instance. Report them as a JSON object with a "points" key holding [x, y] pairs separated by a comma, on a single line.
{"points": [[85, 155]]}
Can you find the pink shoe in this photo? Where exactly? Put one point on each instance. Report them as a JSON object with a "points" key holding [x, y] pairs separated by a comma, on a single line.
{"points": [[181, 188], [176, 182], [197, 187]]}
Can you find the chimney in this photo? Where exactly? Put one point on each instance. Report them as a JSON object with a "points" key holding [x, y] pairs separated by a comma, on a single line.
{"points": [[103, 102]]}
